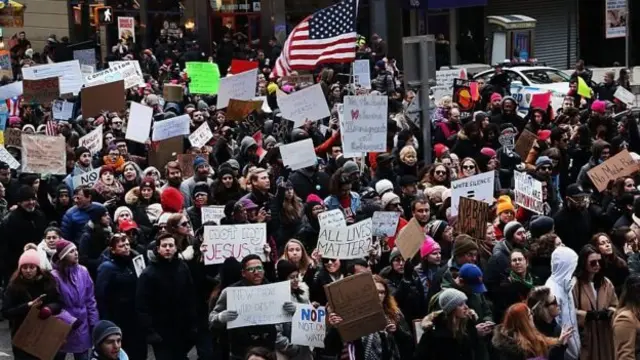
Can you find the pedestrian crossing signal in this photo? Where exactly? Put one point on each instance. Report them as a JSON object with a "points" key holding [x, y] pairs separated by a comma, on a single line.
{"points": [[105, 15]]}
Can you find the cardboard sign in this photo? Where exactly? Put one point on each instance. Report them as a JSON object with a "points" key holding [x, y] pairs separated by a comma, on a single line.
{"points": [[410, 239], [186, 164], [93, 140], [201, 136], [306, 104], [365, 124], [42, 91], [12, 137], [212, 213], [259, 304], [385, 223], [355, 300], [41, 338], [473, 216], [44, 154], [239, 66], [308, 325], [86, 179], [236, 241], [298, 79], [618, 166], [350, 242], [299, 154], [524, 143], [332, 218], [477, 187], [161, 152], [240, 86], [139, 124], [172, 92], [528, 192], [103, 98], [168, 128], [239, 109]]}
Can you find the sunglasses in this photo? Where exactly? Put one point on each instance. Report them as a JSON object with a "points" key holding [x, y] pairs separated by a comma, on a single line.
{"points": [[327, 261], [594, 263], [440, 172], [255, 269], [184, 224], [554, 302], [468, 167], [545, 168]]}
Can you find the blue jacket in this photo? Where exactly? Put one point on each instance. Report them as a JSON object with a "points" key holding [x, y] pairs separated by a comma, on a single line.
{"points": [[74, 221], [332, 202]]}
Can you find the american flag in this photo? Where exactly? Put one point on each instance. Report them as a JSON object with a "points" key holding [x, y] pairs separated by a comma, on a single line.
{"points": [[13, 105], [51, 128], [327, 36]]}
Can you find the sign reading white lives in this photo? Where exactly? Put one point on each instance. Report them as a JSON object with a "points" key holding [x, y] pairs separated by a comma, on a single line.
{"points": [[528, 192], [120, 71], [88, 178], [71, 80], [169, 128], [477, 187], [362, 74], [240, 87], [365, 123], [236, 241], [212, 213], [259, 304], [6, 157], [202, 134], [306, 104], [139, 124], [308, 325], [93, 140], [350, 242], [299, 154], [331, 218], [385, 223]]}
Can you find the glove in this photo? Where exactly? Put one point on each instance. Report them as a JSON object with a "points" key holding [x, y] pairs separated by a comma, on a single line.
{"points": [[408, 270], [187, 254], [289, 307], [227, 315], [45, 313], [154, 338], [604, 314], [592, 315]]}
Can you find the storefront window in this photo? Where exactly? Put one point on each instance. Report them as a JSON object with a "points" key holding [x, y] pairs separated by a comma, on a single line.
{"points": [[238, 18]]}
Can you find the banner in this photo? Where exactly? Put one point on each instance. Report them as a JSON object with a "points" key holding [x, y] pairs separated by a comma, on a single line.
{"points": [[308, 325], [365, 124], [71, 80], [528, 192], [259, 304], [44, 154], [351, 242], [615, 19], [477, 187], [236, 241], [126, 28]]}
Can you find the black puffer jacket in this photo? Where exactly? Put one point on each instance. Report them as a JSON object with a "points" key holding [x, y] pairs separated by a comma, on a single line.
{"points": [[437, 341]]}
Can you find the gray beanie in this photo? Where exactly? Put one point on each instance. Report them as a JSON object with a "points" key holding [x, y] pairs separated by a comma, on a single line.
{"points": [[510, 229], [450, 299], [395, 252], [350, 167]]}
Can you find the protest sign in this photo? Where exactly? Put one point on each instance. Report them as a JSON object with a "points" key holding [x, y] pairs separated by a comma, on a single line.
{"points": [[625, 96], [93, 140], [139, 124], [101, 98], [507, 138], [200, 137], [172, 92], [306, 104], [169, 128], [331, 218], [239, 109], [473, 216], [136, 65], [385, 223], [446, 78], [212, 213], [362, 73], [477, 187], [528, 192], [118, 71], [410, 239], [86, 70], [44, 154], [365, 123], [85, 56], [186, 164], [540, 100], [12, 137], [350, 242], [11, 90], [127, 28], [88, 178], [204, 78], [258, 304], [298, 79], [62, 109], [346, 155], [299, 154], [6, 157], [71, 80], [139, 264], [620, 165], [42, 91], [41, 338], [524, 143], [5, 64], [239, 66], [241, 86], [308, 325], [463, 96], [355, 300], [161, 152], [236, 241]]}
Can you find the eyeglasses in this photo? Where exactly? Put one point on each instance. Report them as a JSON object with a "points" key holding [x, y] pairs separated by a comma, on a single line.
{"points": [[593, 263], [468, 167], [255, 269]]}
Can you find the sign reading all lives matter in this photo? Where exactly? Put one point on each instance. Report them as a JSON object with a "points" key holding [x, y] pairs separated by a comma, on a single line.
{"points": [[308, 325], [236, 241], [258, 305], [476, 187], [528, 192], [620, 165], [331, 218], [350, 242], [365, 124]]}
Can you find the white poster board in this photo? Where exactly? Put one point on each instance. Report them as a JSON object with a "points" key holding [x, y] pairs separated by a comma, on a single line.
{"points": [[528, 192], [350, 242], [139, 124], [71, 80], [478, 187], [119, 71], [385, 223], [93, 140], [236, 241], [331, 218], [306, 104], [308, 326], [212, 213], [169, 128], [240, 87], [365, 124], [362, 73], [200, 137], [88, 178], [348, 155], [6, 157], [62, 109], [625, 96], [136, 64], [11, 90], [299, 154], [258, 305]]}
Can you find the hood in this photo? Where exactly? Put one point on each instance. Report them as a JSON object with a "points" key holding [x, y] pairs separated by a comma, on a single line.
{"points": [[563, 264], [507, 345], [133, 196], [596, 149], [246, 143]]}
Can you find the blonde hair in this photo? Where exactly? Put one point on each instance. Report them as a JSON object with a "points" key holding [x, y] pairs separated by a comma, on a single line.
{"points": [[305, 259]]}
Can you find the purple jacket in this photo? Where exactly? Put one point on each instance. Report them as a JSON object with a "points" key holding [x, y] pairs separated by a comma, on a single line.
{"points": [[78, 299]]}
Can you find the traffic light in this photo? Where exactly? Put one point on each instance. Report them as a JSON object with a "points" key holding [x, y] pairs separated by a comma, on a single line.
{"points": [[105, 15]]}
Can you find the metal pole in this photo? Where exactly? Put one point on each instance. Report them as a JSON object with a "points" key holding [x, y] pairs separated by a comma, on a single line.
{"points": [[425, 102], [627, 36]]}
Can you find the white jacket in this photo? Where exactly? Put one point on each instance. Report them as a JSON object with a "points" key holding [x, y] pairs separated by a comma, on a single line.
{"points": [[45, 256], [563, 263]]}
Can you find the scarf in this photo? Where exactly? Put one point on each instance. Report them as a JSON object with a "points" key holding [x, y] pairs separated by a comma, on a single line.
{"points": [[109, 191], [118, 164], [527, 280], [372, 345]]}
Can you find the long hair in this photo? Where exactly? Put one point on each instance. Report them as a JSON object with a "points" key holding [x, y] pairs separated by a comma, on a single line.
{"points": [[516, 323], [292, 209], [608, 260], [305, 260], [389, 305], [630, 298], [581, 273], [19, 284]]}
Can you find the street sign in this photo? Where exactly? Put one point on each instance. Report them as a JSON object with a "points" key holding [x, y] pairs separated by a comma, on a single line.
{"points": [[105, 15]]}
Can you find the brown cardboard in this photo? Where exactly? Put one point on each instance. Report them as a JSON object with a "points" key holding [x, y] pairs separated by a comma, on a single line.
{"points": [[101, 98], [355, 300], [239, 109], [161, 152], [410, 239], [172, 92], [41, 338], [473, 216], [43, 154], [524, 143], [12, 137], [618, 166], [42, 91], [186, 164]]}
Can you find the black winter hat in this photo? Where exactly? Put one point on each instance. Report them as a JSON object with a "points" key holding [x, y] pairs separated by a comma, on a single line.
{"points": [[80, 150], [200, 187], [285, 268], [26, 192], [540, 225]]}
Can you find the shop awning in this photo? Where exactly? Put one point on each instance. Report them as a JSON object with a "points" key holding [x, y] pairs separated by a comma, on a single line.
{"points": [[14, 5], [512, 22]]}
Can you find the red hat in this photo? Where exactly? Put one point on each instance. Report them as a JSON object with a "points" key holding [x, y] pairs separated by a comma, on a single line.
{"points": [[495, 96], [543, 135], [107, 168], [440, 149], [148, 182], [128, 225], [171, 200], [487, 151]]}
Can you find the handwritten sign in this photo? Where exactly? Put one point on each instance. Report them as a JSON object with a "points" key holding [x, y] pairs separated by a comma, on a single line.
{"points": [[410, 239], [212, 213], [477, 187], [41, 338], [362, 73], [119, 71], [204, 76], [62, 109], [42, 91], [618, 166], [202, 134], [239, 109], [172, 127], [528, 192], [258, 305], [44, 154], [6, 157], [365, 124], [355, 300], [13, 137], [93, 140], [350, 242], [241, 86], [524, 143], [88, 178], [308, 326], [136, 65], [473, 216], [139, 124], [299, 154], [236, 241], [101, 98], [298, 79], [332, 218], [306, 104], [385, 223], [71, 80]]}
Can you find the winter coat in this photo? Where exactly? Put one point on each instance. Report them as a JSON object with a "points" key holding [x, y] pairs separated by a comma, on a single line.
{"points": [[626, 330], [283, 339], [19, 228], [437, 341], [563, 263], [305, 185], [316, 288], [596, 335], [507, 348], [332, 202], [511, 291], [498, 265], [93, 241], [74, 221], [77, 295], [410, 293], [145, 213]]}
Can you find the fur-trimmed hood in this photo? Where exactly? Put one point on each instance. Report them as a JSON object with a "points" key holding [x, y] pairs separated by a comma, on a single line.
{"points": [[132, 197]]}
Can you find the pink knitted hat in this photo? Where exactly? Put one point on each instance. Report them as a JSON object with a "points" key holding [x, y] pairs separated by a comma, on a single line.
{"points": [[29, 257], [428, 246]]}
